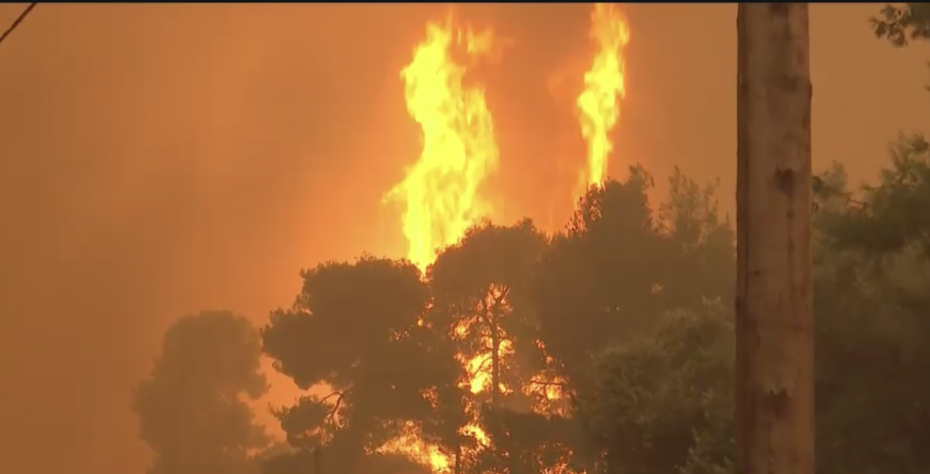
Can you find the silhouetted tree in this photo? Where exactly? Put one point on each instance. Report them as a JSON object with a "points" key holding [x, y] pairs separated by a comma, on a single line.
{"points": [[191, 409], [891, 216], [356, 332], [482, 297], [482, 290], [662, 398], [871, 273], [619, 265]]}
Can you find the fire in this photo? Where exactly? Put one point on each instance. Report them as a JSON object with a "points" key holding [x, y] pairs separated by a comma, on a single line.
{"points": [[604, 87], [411, 444], [441, 190], [479, 368]]}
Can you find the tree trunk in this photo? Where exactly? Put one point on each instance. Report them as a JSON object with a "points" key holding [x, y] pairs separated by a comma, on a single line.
{"points": [[495, 358], [774, 315]]}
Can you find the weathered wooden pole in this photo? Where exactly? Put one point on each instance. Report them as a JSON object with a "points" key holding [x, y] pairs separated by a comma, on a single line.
{"points": [[774, 314]]}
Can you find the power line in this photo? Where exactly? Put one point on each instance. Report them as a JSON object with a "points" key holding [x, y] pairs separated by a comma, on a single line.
{"points": [[19, 19]]}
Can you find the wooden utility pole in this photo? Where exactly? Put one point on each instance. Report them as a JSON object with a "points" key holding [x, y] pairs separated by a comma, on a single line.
{"points": [[774, 314]]}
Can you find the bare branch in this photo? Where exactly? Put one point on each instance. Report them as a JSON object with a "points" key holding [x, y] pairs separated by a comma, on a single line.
{"points": [[17, 21]]}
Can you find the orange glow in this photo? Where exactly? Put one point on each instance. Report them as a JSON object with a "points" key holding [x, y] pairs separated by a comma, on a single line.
{"points": [[441, 190], [441, 193], [547, 389], [479, 367], [412, 445], [604, 88]]}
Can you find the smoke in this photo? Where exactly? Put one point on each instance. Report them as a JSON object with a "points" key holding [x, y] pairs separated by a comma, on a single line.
{"points": [[161, 159]]}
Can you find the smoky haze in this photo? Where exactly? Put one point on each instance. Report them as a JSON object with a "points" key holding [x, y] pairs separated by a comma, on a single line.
{"points": [[160, 159]]}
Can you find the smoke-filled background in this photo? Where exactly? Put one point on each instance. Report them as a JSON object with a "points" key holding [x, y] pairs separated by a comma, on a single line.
{"points": [[160, 159]]}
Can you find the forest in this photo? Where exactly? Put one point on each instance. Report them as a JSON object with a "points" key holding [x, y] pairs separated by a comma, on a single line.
{"points": [[607, 347]]}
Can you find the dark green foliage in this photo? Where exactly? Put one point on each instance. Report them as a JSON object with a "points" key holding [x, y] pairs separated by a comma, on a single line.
{"points": [[626, 311], [344, 313], [891, 216], [663, 397], [903, 23], [619, 265], [354, 329], [662, 402], [871, 278]]}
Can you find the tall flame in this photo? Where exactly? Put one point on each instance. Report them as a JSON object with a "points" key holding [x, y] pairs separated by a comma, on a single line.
{"points": [[604, 87], [440, 191]]}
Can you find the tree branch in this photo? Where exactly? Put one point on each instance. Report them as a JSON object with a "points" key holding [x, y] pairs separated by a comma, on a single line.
{"points": [[331, 417], [545, 383], [17, 21]]}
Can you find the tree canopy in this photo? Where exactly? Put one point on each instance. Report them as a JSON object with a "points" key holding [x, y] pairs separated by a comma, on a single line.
{"points": [[191, 408], [606, 347], [619, 265], [473, 366], [900, 24]]}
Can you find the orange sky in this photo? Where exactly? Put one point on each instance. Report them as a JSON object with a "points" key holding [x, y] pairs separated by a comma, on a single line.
{"points": [[160, 159]]}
